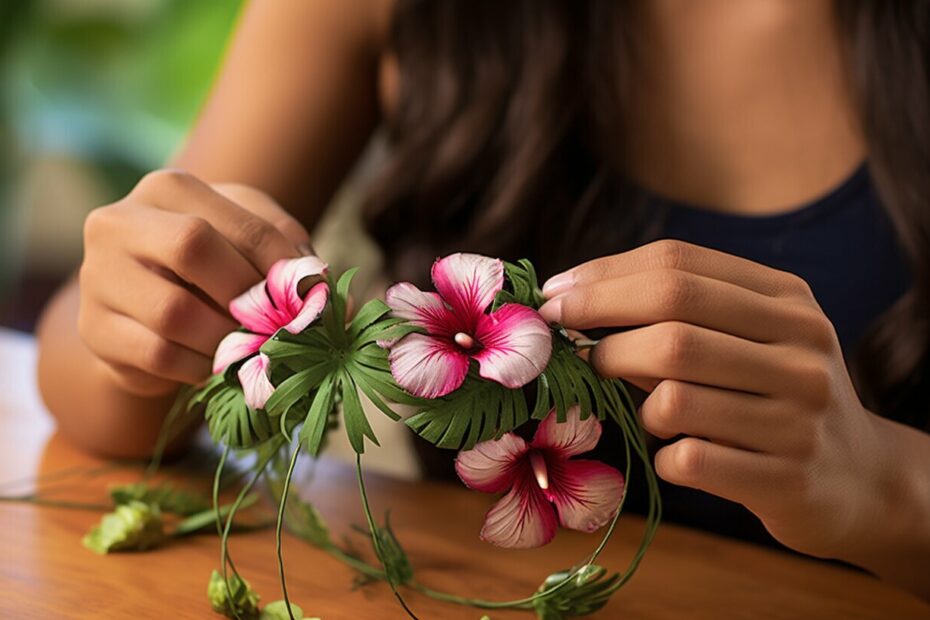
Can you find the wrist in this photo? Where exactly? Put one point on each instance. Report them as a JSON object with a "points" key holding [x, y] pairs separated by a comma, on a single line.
{"points": [[892, 535]]}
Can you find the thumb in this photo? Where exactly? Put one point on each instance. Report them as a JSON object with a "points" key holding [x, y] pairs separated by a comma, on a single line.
{"points": [[267, 208]]}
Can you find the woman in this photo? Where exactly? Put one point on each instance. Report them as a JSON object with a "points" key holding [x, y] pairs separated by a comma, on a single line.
{"points": [[783, 350]]}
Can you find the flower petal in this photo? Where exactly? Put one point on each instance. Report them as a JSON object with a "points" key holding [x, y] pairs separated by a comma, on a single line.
{"points": [[516, 345], [285, 276], [423, 309], [489, 467], [521, 519], [234, 347], [571, 437], [468, 282], [427, 367], [254, 311], [253, 376], [586, 493], [311, 310]]}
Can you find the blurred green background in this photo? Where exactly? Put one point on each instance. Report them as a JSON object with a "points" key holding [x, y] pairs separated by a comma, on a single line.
{"points": [[93, 93]]}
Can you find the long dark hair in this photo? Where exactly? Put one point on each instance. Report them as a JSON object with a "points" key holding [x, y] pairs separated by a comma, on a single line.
{"points": [[506, 132]]}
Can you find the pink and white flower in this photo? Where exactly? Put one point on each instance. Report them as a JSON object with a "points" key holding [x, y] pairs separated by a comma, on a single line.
{"points": [[545, 486], [512, 345], [265, 308]]}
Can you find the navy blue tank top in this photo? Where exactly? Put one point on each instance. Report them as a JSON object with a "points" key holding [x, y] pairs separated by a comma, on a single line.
{"points": [[843, 244]]}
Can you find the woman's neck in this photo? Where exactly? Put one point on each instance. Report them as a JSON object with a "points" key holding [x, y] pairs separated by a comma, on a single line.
{"points": [[740, 106]]}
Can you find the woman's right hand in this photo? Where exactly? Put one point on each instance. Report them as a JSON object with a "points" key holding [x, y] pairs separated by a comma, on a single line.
{"points": [[160, 268]]}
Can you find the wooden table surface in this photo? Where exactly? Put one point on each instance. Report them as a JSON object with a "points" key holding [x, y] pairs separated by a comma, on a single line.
{"points": [[45, 572]]}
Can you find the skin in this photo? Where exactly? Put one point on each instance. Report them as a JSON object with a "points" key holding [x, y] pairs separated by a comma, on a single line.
{"points": [[742, 108]]}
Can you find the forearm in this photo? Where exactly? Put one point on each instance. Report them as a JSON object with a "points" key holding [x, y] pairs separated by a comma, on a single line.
{"points": [[895, 546], [91, 410]]}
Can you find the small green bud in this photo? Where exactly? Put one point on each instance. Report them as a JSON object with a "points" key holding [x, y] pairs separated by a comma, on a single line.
{"points": [[239, 596], [134, 526], [278, 611]]}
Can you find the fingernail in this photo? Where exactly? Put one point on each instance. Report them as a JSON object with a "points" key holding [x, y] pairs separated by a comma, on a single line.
{"points": [[552, 310], [306, 249], [558, 284]]}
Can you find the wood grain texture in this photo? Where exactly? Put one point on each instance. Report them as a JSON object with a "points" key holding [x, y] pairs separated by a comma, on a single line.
{"points": [[45, 573]]}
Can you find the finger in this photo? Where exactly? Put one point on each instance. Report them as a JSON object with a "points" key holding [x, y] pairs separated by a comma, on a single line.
{"points": [[121, 341], [167, 309], [137, 382], [256, 239], [727, 472], [686, 352], [726, 417], [659, 295], [185, 245], [265, 207], [679, 256]]}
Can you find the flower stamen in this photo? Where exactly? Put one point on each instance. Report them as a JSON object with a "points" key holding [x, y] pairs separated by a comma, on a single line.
{"points": [[538, 463], [464, 340]]}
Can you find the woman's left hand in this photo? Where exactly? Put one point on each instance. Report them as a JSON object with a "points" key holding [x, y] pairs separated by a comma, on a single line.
{"points": [[742, 362]]}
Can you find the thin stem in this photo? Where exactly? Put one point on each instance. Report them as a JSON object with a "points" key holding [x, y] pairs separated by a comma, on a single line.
{"points": [[54, 503], [164, 434], [358, 564], [219, 526], [224, 542], [376, 539], [277, 533], [61, 474]]}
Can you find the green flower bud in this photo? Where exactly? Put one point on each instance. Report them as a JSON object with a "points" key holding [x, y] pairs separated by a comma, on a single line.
{"points": [[134, 526], [587, 592], [278, 611], [239, 596]]}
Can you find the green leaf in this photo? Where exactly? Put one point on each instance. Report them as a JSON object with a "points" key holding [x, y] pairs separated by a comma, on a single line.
{"points": [[207, 518], [311, 433], [362, 381], [570, 380], [304, 521], [477, 411], [356, 422], [522, 287], [396, 563], [339, 299], [367, 316], [295, 387], [206, 391], [134, 526], [168, 498], [278, 611], [307, 347], [239, 600], [381, 380], [231, 421]]}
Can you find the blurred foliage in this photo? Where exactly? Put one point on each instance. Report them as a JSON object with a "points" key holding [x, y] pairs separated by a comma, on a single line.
{"points": [[107, 86], [115, 82]]}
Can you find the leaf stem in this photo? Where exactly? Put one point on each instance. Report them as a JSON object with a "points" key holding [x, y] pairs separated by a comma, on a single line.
{"points": [[165, 433], [54, 503], [224, 543], [277, 532], [375, 537]]}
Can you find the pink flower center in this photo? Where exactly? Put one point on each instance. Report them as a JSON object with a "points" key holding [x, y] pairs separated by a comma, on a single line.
{"points": [[464, 340], [538, 463]]}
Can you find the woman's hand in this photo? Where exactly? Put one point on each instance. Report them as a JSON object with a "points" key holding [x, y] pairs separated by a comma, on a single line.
{"points": [[160, 267], [740, 360]]}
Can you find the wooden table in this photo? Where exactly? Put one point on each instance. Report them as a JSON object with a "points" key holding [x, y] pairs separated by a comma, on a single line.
{"points": [[45, 572]]}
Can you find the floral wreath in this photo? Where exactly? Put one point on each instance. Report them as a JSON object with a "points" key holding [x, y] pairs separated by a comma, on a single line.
{"points": [[474, 360]]}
